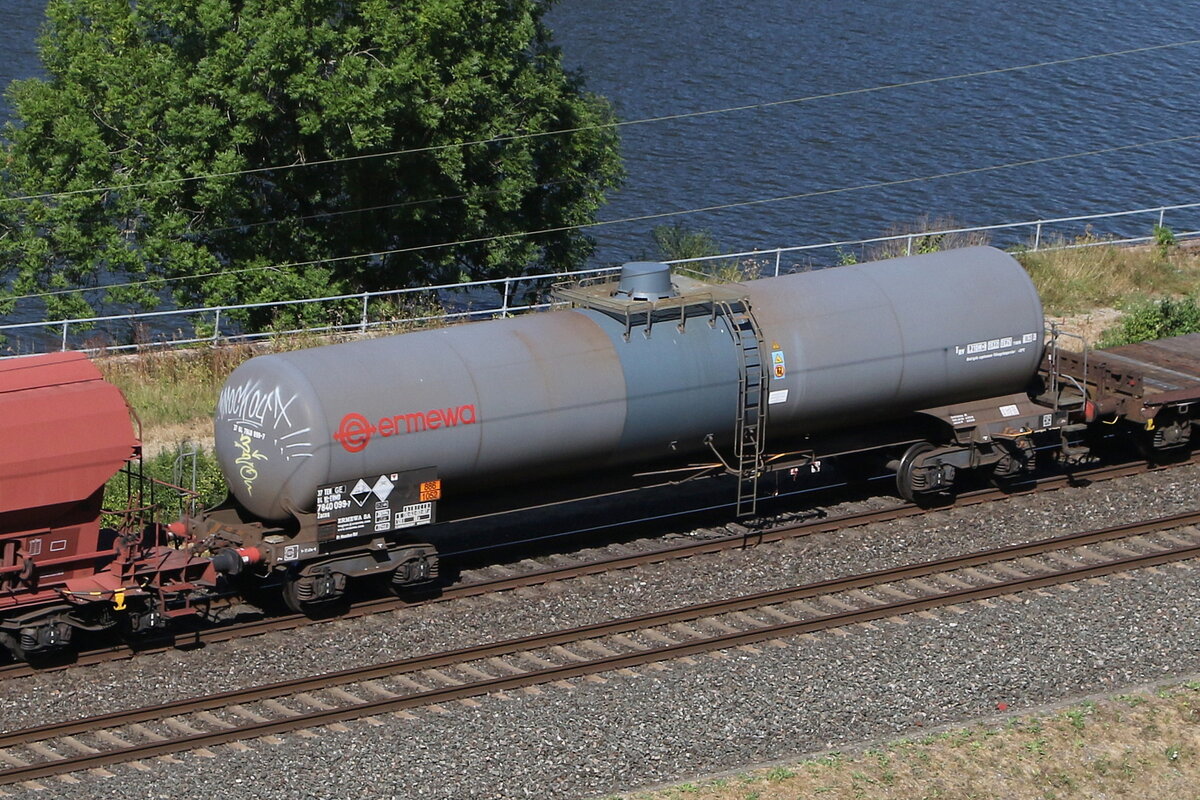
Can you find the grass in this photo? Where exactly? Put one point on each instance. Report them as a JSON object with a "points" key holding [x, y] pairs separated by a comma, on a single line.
{"points": [[926, 242], [173, 466], [172, 387], [1154, 319], [1071, 275], [1132, 746], [1109, 276]]}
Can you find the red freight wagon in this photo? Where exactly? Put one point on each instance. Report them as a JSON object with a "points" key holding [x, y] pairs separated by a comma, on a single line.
{"points": [[64, 432]]}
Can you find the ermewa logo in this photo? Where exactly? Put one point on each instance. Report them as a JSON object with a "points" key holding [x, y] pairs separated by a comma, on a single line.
{"points": [[355, 431]]}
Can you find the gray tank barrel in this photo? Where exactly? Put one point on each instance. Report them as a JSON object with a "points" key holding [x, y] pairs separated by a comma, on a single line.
{"points": [[507, 401], [870, 341]]}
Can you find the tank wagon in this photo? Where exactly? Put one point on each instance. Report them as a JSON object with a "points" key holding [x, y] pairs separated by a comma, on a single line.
{"points": [[330, 452], [347, 461]]}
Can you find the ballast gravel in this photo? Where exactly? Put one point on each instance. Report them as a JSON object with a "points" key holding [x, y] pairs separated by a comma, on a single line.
{"points": [[721, 712]]}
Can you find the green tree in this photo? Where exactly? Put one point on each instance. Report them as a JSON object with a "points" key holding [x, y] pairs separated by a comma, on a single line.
{"points": [[283, 107], [678, 241]]}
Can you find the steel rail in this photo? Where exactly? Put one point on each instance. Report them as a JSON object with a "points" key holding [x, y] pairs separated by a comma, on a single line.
{"points": [[618, 661], [599, 566]]}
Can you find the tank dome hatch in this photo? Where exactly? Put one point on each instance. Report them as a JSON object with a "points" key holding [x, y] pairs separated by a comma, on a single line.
{"points": [[645, 280]]}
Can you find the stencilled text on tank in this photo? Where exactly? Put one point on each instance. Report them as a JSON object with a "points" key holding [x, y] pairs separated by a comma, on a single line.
{"points": [[999, 347], [260, 419]]}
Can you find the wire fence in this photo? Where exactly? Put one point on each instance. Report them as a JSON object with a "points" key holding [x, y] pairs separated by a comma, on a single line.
{"points": [[402, 309]]}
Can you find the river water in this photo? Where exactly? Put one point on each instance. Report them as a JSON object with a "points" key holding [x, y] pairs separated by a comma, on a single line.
{"points": [[666, 57], [671, 56]]}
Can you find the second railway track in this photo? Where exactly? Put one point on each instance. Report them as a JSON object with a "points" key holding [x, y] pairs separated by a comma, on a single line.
{"points": [[440, 678], [536, 576]]}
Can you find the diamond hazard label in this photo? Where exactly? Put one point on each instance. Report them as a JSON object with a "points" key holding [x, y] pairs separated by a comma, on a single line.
{"points": [[383, 487], [360, 492], [368, 506]]}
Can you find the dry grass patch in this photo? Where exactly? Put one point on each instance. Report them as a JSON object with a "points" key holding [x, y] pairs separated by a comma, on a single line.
{"points": [[1105, 275], [174, 390], [1089, 326], [924, 239], [1132, 746], [173, 387], [173, 436]]}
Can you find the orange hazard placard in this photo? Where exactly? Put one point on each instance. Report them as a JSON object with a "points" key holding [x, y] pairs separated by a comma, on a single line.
{"points": [[779, 371], [431, 490]]}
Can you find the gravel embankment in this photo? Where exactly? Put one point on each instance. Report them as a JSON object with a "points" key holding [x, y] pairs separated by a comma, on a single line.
{"points": [[718, 714]]}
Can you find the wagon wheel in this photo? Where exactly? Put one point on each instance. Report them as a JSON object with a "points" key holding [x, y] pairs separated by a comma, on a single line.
{"points": [[1018, 461], [41, 652], [11, 644], [1156, 446], [318, 595], [904, 472]]}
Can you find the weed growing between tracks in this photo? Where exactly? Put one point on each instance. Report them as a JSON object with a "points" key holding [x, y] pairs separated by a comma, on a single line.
{"points": [[1134, 745]]}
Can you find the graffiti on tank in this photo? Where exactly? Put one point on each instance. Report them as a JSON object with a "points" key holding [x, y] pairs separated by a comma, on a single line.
{"points": [[252, 404], [247, 471], [261, 414]]}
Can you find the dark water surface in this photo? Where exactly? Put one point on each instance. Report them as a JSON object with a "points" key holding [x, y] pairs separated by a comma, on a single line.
{"points": [[662, 57], [20, 21]]}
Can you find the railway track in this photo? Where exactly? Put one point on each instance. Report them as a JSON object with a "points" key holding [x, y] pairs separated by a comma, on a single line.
{"points": [[459, 675], [535, 576]]}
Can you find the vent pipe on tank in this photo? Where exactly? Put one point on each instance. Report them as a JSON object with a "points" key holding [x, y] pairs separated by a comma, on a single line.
{"points": [[645, 280]]}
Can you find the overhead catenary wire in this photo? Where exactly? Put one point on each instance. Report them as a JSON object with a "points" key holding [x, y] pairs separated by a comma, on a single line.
{"points": [[612, 125], [639, 218]]}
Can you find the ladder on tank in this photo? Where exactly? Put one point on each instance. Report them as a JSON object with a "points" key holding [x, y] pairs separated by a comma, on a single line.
{"points": [[750, 427]]}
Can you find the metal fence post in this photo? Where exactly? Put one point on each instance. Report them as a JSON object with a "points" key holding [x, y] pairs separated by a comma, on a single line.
{"points": [[366, 298], [778, 258], [1162, 212], [64, 339], [908, 252], [507, 292], [217, 325], [1037, 236]]}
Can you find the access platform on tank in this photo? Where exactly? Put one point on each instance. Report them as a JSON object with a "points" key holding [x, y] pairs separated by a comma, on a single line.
{"points": [[693, 298]]}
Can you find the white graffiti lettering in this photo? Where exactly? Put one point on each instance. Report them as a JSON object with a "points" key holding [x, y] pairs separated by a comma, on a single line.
{"points": [[250, 403]]}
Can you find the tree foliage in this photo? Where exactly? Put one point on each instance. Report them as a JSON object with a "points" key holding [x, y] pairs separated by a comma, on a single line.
{"points": [[282, 106], [677, 241]]}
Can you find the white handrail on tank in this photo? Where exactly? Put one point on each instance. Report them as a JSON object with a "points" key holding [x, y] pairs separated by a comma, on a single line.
{"points": [[503, 289]]}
